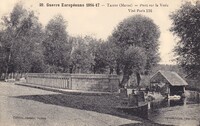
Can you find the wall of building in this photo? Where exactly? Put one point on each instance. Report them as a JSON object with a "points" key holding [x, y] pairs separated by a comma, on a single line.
{"points": [[85, 82]]}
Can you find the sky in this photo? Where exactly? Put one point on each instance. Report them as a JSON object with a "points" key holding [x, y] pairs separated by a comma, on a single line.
{"points": [[100, 21]]}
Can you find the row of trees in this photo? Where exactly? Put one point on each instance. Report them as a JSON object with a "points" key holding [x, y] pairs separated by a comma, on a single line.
{"points": [[25, 46]]}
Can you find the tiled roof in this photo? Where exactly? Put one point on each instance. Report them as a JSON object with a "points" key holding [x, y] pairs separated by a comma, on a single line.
{"points": [[172, 77]]}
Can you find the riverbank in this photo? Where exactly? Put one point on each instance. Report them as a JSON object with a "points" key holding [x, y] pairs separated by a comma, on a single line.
{"points": [[183, 112]]}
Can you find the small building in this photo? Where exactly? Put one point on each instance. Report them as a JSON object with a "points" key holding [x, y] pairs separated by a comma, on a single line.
{"points": [[168, 83]]}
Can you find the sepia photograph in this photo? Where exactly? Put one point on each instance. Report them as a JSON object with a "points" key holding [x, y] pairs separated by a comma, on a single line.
{"points": [[99, 63]]}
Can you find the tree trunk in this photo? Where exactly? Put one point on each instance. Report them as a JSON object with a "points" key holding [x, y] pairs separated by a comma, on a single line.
{"points": [[138, 78], [6, 74], [94, 69], [70, 70], [117, 69], [7, 64], [10, 51], [111, 70], [126, 76], [124, 81]]}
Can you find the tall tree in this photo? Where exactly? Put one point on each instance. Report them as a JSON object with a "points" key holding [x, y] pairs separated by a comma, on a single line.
{"points": [[106, 56], [2, 57], [186, 25], [136, 32], [56, 45], [134, 61], [83, 54], [21, 32], [93, 48]]}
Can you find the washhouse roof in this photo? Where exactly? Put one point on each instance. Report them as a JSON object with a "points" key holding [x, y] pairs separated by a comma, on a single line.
{"points": [[172, 77]]}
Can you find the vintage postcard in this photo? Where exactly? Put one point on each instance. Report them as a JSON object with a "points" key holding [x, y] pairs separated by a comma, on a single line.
{"points": [[99, 62]]}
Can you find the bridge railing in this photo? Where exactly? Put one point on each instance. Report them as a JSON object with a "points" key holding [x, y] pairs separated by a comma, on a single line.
{"points": [[87, 82], [49, 80]]}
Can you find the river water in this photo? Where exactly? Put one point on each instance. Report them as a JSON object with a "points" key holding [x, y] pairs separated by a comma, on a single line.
{"points": [[184, 112]]}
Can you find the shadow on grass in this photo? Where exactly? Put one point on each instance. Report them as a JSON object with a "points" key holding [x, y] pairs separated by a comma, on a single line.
{"points": [[102, 104], [91, 103]]}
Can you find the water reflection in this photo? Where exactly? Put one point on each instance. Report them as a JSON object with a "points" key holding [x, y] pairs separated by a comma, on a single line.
{"points": [[185, 111], [166, 103]]}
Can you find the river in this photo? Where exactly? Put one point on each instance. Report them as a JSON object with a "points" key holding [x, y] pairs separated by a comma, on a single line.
{"points": [[184, 112]]}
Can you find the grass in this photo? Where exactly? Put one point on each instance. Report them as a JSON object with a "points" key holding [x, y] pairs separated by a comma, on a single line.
{"points": [[102, 104]]}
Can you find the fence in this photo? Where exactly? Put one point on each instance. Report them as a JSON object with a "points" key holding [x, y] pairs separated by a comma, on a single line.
{"points": [[86, 82], [15, 76], [49, 80]]}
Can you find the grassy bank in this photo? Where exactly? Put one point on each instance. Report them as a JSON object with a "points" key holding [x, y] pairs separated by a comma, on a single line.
{"points": [[102, 104]]}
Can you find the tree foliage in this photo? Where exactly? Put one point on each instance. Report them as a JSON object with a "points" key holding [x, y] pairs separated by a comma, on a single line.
{"points": [[20, 34], [134, 61], [85, 55], [81, 58], [139, 31], [105, 57], [136, 33], [56, 45], [186, 26]]}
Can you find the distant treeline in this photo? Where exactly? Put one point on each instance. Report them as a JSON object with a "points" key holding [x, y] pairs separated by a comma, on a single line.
{"points": [[169, 67]]}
